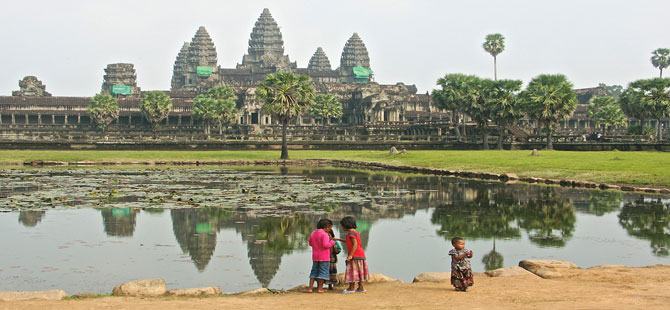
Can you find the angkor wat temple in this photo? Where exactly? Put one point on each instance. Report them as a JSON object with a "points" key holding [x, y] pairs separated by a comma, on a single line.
{"points": [[196, 69]]}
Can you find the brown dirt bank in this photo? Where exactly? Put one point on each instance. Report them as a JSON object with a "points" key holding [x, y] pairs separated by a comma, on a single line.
{"points": [[613, 287]]}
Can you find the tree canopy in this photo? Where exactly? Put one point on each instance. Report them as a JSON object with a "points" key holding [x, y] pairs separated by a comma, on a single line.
{"points": [[156, 106], [217, 106], [103, 110], [549, 98], [325, 107], [605, 111], [660, 58], [648, 98]]}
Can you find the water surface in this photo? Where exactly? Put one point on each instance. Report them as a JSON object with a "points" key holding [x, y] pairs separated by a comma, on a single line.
{"points": [[87, 230]]}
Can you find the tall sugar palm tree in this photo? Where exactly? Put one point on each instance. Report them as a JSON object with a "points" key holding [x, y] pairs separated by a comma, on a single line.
{"points": [[494, 44], [660, 58], [286, 95]]}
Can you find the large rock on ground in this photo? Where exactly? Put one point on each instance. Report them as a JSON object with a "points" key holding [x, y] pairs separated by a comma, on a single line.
{"points": [[141, 288], [437, 277], [48, 295], [257, 291], [196, 292], [374, 278], [508, 272], [549, 269]]}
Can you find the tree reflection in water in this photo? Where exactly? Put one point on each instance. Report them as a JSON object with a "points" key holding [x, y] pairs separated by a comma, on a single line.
{"points": [[495, 211], [648, 219], [548, 219]]}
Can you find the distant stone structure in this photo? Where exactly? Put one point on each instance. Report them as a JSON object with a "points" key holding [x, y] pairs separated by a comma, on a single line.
{"points": [[30, 86], [120, 79], [364, 101]]}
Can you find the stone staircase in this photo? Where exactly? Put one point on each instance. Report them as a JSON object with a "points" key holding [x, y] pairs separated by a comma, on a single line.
{"points": [[517, 131]]}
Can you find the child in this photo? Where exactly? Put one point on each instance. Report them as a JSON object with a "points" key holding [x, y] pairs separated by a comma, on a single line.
{"points": [[357, 265], [321, 243], [461, 272], [334, 250]]}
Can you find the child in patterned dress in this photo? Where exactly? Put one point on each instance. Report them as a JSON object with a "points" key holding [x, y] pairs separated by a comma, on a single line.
{"points": [[461, 272], [357, 265]]}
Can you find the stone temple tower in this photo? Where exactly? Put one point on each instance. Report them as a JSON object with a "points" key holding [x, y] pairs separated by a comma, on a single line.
{"points": [[354, 54], [266, 46], [120, 79], [179, 69], [196, 68], [319, 61]]}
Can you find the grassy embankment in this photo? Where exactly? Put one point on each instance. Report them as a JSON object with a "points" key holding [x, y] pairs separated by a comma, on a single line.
{"points": [[643, 168]]}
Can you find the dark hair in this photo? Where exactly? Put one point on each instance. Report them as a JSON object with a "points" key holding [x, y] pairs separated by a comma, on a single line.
{"points": [[323, 223], [456, 239], [331, 233], [348, 222]]}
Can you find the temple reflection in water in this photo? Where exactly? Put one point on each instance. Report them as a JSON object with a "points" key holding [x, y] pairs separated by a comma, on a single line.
{"points": [[474, 210]]}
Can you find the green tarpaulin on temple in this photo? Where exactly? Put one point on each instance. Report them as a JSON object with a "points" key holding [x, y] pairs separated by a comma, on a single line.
{"points": [[202, 228], [120, 90], [361, 72], [204, 70]]}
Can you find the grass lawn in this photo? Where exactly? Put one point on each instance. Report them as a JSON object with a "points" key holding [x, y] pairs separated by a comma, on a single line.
{"points": [[647, 168]]}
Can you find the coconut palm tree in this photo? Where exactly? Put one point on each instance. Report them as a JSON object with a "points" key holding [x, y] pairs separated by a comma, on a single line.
{"points": [[285, 95], [661, 59], [494, 44], [549, 98]]}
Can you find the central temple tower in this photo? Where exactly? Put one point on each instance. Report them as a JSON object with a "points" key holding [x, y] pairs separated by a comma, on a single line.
{"points": [[266, 46]]}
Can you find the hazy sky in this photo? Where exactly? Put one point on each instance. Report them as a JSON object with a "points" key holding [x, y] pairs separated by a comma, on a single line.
{"points": [[68, 43]]}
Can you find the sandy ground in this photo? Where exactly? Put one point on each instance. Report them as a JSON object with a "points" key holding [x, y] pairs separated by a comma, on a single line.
{"points": [[612, 287]]}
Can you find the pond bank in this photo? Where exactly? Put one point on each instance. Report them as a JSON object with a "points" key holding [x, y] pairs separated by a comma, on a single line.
{"points": [[504, 177], [604, 287]]}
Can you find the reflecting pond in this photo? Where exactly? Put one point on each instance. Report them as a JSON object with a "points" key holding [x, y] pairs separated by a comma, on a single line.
{"points": [[89, 229]]}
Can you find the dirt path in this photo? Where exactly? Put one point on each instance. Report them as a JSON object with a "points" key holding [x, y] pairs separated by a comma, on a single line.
{"points": [[598, 288]]}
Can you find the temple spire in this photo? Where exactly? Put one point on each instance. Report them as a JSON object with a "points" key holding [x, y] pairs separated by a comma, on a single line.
{"points": [[202, 51], [319, 61], [179, 69], [354, 54], [266, 45]]}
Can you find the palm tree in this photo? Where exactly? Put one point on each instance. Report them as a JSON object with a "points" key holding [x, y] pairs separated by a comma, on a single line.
{"points": [[454, 95], [550, 98], [216, 105], [661, 59], [649, 98], [104, 109], [494, 45], [605, 111], [156, 107], [286, 95], [506, 107], [326, 107]]}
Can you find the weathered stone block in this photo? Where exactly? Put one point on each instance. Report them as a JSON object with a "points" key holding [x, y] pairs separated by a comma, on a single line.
{"points": [[48, 295], [508, 272], [257, 291], [437, 277], [141, 288], [548, 269], [196, 292]]}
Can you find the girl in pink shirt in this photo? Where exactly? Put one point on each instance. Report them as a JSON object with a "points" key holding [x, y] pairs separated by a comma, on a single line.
{"points": [[321, 243]]}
